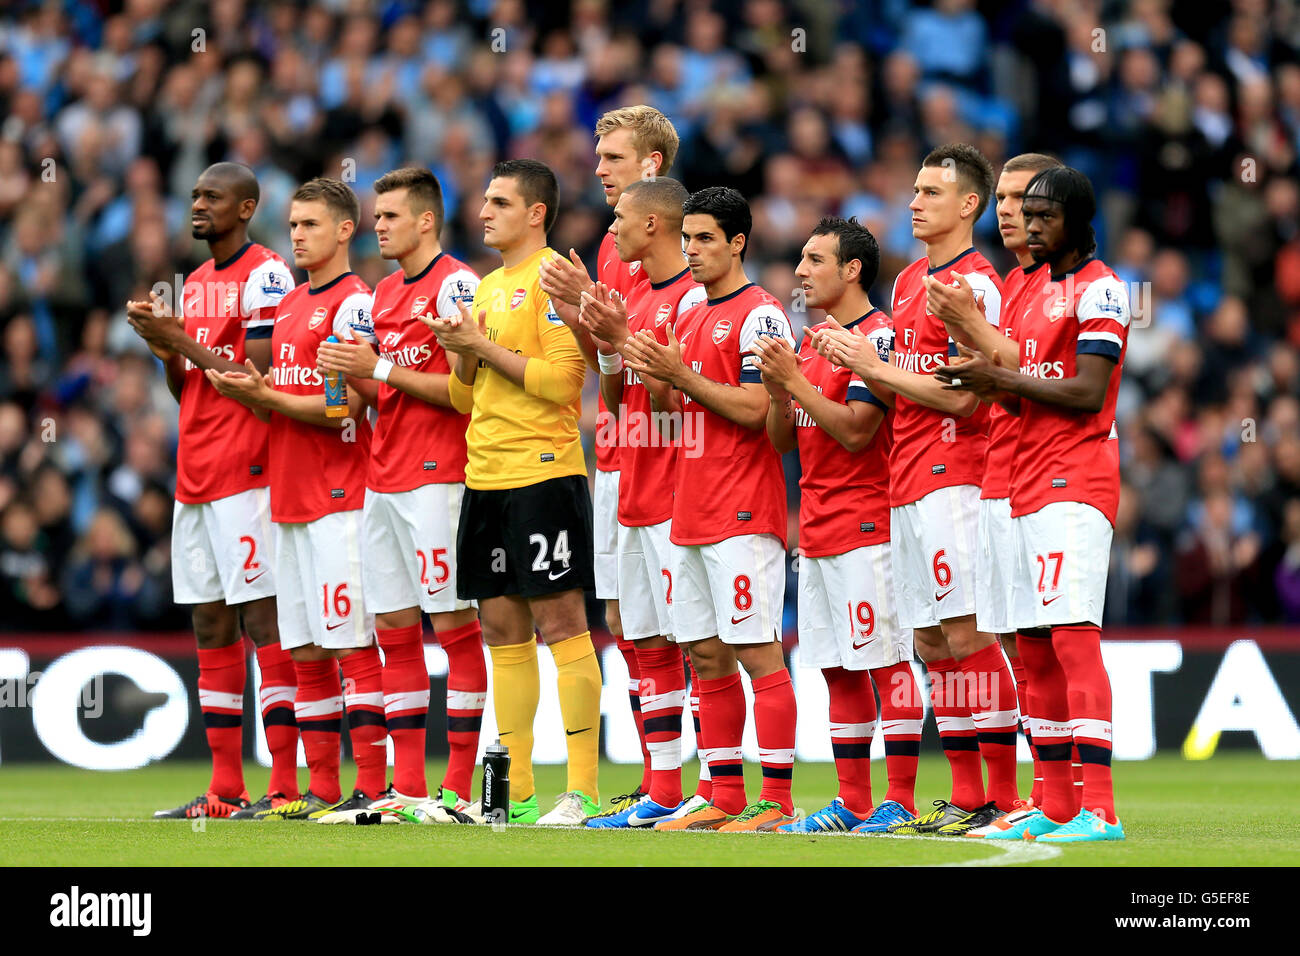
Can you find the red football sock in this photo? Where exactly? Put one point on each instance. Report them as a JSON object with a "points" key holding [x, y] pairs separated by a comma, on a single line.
{"points": [[1022, 695], [466, 695], [1076, 774], [774, 724], [363, 696], [853, 724], [1049, 704], [1079, 651], [991, 696], [663, 692], [628, 650], [318, 709], [222, 671], [956, 733], [901, 715], [705, 786], [276, 696], [406, 704], [722, 726]]}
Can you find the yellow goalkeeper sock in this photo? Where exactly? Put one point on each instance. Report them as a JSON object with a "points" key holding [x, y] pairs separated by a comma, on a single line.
{"points": [[578, 677], [515, 689]]}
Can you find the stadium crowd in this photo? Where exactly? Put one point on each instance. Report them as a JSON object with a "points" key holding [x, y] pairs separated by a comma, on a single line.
{"points": [[1186, 117]]}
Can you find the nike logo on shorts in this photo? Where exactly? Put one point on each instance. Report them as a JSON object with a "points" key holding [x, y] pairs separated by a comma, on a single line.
{"points": [[570, 733], [940, 595], [858, 647], [743, 619], [248, 580], [331, 627], [556, 577], [1047, 601], [437, 590]]}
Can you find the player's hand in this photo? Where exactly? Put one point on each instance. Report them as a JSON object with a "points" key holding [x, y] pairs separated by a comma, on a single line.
{"points": [[153, 321], [564, 279], [352, 358], [604, 315], [645, 355], [777, 363], [972, 372], [955, 303], [459, 333], [250, 388], [847, 349]]}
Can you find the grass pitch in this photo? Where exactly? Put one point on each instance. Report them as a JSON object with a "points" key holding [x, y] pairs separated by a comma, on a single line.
{"points": [[1233, 810]]}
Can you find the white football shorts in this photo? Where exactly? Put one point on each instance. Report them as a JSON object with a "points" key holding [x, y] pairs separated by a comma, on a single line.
{"points": [[320, 600], [224, 550], [1063, 552], [935, 539], [846, 611], [409, 550], [733, 589], [644, 570]]}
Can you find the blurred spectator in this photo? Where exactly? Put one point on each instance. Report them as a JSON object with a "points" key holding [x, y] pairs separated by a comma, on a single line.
{"points": [[1186, 116]]}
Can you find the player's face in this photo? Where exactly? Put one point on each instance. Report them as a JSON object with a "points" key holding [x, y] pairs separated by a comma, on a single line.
{"points": [[397, 227], [617, 165], [819, 272], [313, 232], [1010, 193], [707, 251], [936, 205], [629, 229], [214, 209], [1044, 228], [504, 214]]}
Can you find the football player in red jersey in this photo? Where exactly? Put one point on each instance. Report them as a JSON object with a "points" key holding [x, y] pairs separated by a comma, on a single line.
{"points": [[318, 468], [221, 535], [936, 466], [1064, 496], [632, 143], [647, 228], [728, 554], [965, 321], [414, 487], [847, 624]]}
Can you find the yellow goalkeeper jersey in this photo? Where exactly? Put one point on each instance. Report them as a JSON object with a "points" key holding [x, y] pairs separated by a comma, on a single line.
{"points": [[522, 436]]}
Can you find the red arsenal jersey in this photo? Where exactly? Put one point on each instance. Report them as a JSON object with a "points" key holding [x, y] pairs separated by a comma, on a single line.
{"points": [[316, 470], [1004, 427], [622, 277], [729, 478], [1063, 454], [416, 442], [844, 495], [648, 461], [222, 445], [935, 449]]}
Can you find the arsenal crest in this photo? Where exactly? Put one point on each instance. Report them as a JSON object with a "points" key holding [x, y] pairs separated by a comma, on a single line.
{"points": [[661, 316], [232, 299], [518, 298], [721, 331], [317, 317], [634, 267], [419, 305], [1059, 308]]}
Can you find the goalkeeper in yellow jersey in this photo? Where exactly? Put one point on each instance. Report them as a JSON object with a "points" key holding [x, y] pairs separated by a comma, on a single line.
{"points": [[524, 546]]}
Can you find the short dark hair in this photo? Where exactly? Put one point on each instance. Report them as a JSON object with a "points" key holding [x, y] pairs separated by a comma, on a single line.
{"points": [[974, 171], [537, 184], [1073, 191], [423, 191], [337, 196], [725, 205], [662, 195], [855, 242]]}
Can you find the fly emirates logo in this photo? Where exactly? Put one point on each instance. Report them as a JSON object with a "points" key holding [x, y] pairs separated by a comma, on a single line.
{"points": [[286, 372], [1029, 364], [911, 360]]}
